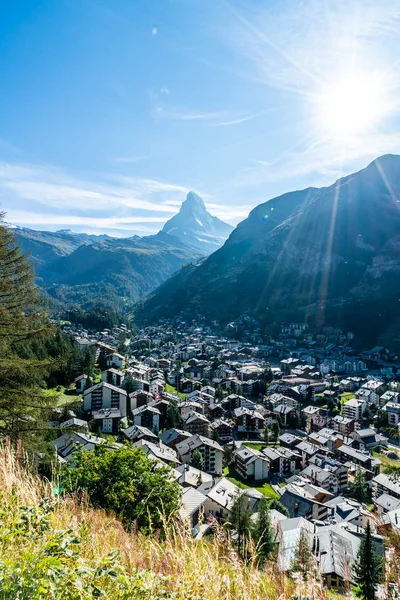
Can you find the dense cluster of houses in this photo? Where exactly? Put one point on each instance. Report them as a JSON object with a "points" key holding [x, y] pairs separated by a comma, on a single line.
{"points": [[193, 392]]}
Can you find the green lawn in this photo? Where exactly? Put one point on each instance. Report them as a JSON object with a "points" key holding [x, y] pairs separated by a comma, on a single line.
{"points": [[172, 390], [64, 396], [259, 445], [346, 396], [386, 462], [265, 489], [254, 445]]}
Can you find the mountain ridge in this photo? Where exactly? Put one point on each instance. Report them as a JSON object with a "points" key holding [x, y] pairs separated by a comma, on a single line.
{"points": [[76, 268], [326, 255]]}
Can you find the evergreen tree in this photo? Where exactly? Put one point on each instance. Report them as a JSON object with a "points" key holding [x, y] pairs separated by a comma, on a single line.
{"points": [[129, 385], [275, 430], [240, 523], [263, 534], [359, 488], [368, 568], [24, 405], [215, 435], [303, 556], [173, 419], [266, 436], [228, 455], [276, 505], [197, 460]]}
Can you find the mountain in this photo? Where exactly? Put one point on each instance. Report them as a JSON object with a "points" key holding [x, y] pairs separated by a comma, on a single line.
{"points": [[329, 256], [195, 226], [45, 246], [87, 270]]}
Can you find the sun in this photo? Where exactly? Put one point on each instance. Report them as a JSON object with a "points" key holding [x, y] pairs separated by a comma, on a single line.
{"points": [[351, 105]]}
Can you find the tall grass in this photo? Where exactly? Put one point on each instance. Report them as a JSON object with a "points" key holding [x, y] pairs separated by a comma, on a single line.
{"points": [[51, 549]]}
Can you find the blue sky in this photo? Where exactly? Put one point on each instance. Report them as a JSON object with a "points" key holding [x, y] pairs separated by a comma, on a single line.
{"points": [[111, 110]]}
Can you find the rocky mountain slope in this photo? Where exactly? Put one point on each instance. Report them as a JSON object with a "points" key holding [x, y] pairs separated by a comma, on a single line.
{"points": [[82, 269], [195, 226], [328, 255], [87, 270]]}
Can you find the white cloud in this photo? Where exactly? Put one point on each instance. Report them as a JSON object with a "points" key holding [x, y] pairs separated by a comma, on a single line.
{"points": [[154, 31], [55, 188]]}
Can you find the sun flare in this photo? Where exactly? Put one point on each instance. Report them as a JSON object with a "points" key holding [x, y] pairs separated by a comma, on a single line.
{"points": [[351, 105]]}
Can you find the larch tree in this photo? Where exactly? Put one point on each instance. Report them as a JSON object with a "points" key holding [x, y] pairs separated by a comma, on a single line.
{"points": [[197, 461], [263, 534], [24, 405], [368, 568], [302, 560]]}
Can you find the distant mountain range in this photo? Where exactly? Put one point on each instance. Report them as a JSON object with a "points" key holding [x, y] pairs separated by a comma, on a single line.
{"points": [[86, 270], [195, 226], [329, 255]]}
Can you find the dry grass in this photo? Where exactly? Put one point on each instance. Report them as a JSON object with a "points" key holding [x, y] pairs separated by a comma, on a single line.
{"points": [[195, 570]]}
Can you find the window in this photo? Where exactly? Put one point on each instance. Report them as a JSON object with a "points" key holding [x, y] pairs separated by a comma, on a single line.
{"points": [[107, 425]]}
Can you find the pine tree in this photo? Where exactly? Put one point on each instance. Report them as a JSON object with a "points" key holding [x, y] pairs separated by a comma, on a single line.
{"points": [[23, 403], [197, 460], [303, 556], [275, 430], [368, 568], [263, 534], [240, 523], [359, 488], [266, 436], [173, 419]]}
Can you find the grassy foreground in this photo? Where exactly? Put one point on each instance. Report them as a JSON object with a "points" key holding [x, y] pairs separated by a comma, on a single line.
{"points": [[64, 549]]}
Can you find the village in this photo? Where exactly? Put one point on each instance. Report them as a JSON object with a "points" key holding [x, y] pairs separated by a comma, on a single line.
{"points": [[302, 419]]}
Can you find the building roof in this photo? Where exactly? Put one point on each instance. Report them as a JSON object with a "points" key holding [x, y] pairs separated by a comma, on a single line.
{"points": [[388, 502], [195, 441], [224, 493], [191, 476], [192, 500], [104, 384]]}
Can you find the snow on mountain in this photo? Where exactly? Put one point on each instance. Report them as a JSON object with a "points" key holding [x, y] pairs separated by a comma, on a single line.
{"points": [[197, 227]]}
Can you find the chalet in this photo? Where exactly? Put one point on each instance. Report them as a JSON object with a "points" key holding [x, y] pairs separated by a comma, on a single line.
{"points": [[172, 437], [393, 413], [282, 461], [223, 429], [115, 360], [68, 442], [191, 477], [197, 423], [385, 484], [303, 499], [192, 509], [135, 433], [113, 376], [249, 421], [347, 454], [81, 383], [147, 416], [343, 425], [210, 450], [107, 420], [307, 451], [316, 418], [251, 464], [140, 398], [159, 451], [326, 473], [107, 404], [354, 408]]}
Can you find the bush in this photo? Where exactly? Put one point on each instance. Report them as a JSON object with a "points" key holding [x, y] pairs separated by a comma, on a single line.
{"points": [[136, 488]]}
